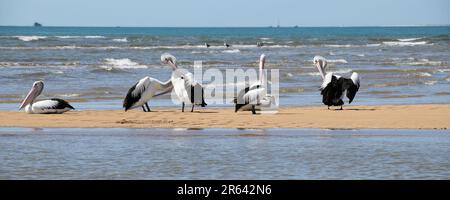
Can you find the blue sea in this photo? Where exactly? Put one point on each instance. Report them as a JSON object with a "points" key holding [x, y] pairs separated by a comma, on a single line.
{"points": [[93, 67], [223, 154]]}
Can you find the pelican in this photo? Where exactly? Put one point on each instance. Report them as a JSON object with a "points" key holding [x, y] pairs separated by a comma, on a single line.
{"points": [[256, 95], [335, 87], [226, 44], [52, 106], [187, 90], [207, 45], [144, 90]]}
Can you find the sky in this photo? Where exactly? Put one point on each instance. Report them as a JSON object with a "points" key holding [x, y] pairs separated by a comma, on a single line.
{"points": [[225, 13]]}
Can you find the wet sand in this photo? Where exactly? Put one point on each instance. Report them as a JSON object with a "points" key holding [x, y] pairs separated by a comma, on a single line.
{"points": [[352, 117]]}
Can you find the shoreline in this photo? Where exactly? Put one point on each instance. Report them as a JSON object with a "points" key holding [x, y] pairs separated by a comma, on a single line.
{"points": [[433, 116]]}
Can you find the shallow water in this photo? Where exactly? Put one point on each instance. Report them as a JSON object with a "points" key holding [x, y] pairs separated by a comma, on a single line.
{"points": [[223, 154], [398, 65]]}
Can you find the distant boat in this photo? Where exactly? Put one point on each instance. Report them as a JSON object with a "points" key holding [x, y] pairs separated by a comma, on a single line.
{"points": [[37, 24]]}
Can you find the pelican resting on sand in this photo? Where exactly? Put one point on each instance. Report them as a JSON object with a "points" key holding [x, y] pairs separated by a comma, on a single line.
{"points": [[52, 106]]}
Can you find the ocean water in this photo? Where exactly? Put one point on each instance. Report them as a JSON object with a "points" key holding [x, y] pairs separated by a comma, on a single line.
{"points": [[223, 154], [94, 67]]}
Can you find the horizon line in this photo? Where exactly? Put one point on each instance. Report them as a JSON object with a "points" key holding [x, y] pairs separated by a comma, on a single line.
{"points": [[268, 26]]}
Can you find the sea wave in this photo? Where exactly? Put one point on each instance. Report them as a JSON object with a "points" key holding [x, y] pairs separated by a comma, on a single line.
{"points": [[424, 74], [124, 63], [120, 40], [68, 95], [340, 45], [405, 43], [443, 70], [232, 51], [417, 62], [30, 38], [79, 36], [408, 39], [343, 61], [34, 64], [429, 82]]}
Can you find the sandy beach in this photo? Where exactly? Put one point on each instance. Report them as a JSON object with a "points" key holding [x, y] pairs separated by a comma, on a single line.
{"points": [[353, 117]]}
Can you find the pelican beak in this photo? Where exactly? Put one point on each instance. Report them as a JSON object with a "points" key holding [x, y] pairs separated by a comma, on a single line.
{"points": [[34, 92], [171, 63]]}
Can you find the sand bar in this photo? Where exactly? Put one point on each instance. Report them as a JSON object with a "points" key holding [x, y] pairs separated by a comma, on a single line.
{"points": [[353, 117]]}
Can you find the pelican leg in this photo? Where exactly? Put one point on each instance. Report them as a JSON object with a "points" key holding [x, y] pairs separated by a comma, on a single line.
{"points": [[182, 107], [341, 108], [253, 109], [148, 108], [192, 110], [328, 107], [143, 108]]}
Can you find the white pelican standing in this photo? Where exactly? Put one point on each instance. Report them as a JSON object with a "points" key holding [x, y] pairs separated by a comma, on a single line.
{"points": [[335, 87], [254, 97], [52, 106], [144, 90], [186, 88]]}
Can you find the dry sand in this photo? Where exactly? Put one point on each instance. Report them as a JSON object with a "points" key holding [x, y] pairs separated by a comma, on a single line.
{"points": [[353, 117]]}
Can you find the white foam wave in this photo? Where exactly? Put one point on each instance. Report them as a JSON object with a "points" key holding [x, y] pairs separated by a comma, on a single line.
{"points": [[121, 64], [408, 39], [30, 38], [443, 70], [422, 62], [430, 82], [343, 61], [232, 51], [339, 45], [120, 40], [373, 45], [68, 95], [79, 36], [93, 36], [405, 43], [426, 74]]}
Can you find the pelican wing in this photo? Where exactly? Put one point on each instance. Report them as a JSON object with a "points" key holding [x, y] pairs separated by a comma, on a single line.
{"points": [[254, 96], [135, 93], [351, 88], [327, 80], [51, 106], [330, 90], [163, 87]]}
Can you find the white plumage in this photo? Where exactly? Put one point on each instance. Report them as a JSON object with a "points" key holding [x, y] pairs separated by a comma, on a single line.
{"points": [[255, 97], [185, 87], [45, 107]]}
